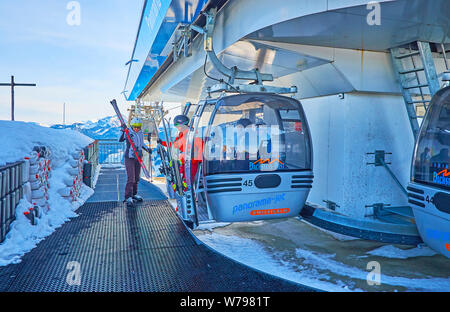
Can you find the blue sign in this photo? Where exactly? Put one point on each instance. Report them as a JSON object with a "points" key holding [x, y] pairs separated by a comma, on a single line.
{"points": [[159, 20], [441, 174], [439, 235], [259, 203]]}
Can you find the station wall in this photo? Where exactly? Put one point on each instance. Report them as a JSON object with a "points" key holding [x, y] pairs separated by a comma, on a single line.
{"points": [[343, 132]]}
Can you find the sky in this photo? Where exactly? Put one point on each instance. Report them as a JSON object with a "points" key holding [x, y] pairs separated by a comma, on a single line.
{"points": [[82, 65]]}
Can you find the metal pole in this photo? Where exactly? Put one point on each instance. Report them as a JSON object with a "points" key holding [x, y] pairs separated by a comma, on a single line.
{"points": [[394, 177], [64, 113], [12, 98], [150, 164]]}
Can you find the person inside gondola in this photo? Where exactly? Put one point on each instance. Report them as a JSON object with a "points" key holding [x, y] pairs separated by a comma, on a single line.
{"points": [[442, 157], [241, 152], [424, 165], [425, 156], [249, 146], [256, 149]]}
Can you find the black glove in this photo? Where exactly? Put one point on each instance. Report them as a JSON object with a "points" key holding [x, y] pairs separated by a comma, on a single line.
{"points": [[149, 137], [159, 141], [148, 150], [124, 127]]}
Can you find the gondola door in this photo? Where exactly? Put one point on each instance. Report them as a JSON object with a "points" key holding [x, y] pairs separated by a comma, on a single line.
{"points": [[193, 157]]}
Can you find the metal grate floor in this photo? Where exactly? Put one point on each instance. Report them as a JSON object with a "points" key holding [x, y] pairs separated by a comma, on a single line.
{"points": [[111, 187], [146, 248]]}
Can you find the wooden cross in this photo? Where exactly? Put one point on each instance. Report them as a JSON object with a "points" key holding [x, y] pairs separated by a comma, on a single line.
{"points": [[12, 85]]}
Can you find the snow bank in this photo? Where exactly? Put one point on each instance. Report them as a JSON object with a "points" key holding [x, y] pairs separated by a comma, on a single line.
{"points": [[18, 140], [23, 236]]}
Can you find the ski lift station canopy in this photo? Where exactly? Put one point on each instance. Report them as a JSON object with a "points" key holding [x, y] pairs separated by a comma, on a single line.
{"points": [[281, 39], [361, 68]]}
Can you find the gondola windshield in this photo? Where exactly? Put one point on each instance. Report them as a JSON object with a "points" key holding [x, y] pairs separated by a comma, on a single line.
{"points": [[257, 133], [432, 159]]}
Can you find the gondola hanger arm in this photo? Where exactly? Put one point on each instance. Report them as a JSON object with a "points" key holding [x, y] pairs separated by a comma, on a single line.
{"points": [[231, 73]]}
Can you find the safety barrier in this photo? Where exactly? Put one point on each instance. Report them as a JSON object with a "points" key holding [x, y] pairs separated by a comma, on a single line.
{"points": [[29, 179], [11, 191], [75, 175], [111, 152], [91, 153], [37, 171]]}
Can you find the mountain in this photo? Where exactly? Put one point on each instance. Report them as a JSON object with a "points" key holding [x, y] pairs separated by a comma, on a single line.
{"points": [[105, 128], [109, 128]]}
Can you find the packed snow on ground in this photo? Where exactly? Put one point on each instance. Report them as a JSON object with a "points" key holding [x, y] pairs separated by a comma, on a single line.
{"points": [[390, 251], [96, 175], [253, 254], [325, 262], [315, 268], [161, 186], [209, 226], [18, 140]]}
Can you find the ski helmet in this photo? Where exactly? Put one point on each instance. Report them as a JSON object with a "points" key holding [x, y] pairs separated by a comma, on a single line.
{"points": [[136, 122], [181, 120]]}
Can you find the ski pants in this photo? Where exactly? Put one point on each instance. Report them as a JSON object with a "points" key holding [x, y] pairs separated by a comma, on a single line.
{"points": [[133, 169]]}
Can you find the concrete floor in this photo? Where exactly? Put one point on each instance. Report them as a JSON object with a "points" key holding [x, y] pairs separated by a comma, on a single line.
{"points": [[316, 257], [340, 260]]}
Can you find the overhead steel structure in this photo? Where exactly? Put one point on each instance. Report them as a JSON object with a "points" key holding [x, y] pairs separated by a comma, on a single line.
{"points": [[365, 71]]}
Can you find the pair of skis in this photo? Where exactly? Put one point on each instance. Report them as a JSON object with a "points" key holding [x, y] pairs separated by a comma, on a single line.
{"points": [[127, 132], [165, 170], [173, 165]]}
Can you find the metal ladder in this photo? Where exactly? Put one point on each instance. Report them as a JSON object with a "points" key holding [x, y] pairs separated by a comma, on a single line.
{"points": [[415, 70]]}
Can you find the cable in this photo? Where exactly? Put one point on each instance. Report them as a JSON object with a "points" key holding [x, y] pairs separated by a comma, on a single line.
{"points": [[204, 70], [219, 80], [176, 107]]}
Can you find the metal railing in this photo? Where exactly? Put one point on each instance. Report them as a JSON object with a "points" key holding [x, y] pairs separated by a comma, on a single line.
{"points": [[91, 153], [92, 157], [111, 152], [11, 182]]}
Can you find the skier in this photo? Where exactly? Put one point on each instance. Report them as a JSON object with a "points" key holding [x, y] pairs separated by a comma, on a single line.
{"points": [[181, 122], [132, 165]]}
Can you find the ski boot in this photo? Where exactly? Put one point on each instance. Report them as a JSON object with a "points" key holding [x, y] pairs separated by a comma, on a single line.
{"points": [[138, 198], [130, 203]]}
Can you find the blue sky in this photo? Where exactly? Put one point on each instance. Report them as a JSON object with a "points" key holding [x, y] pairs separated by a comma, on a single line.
{"points": [[83, 65]]}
